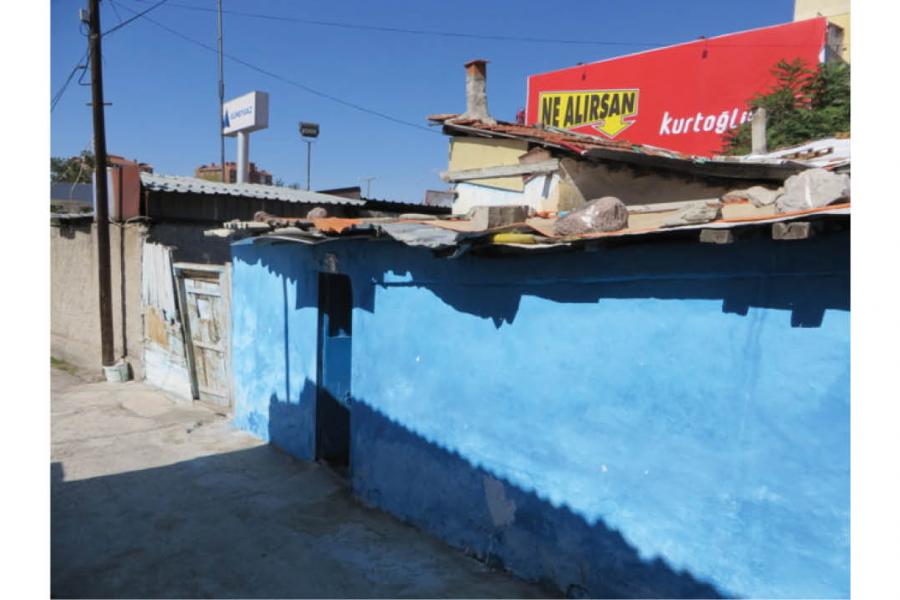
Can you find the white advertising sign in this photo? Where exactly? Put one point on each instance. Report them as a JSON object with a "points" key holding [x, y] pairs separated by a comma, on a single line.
{"points": [[249, 112]]}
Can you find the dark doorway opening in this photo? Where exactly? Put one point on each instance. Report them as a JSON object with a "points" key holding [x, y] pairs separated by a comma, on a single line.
{"points": [[333, 371]]}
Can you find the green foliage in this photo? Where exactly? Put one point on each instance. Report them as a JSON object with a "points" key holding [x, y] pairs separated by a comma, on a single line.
{"points": [[803, 105], [76, 169]]}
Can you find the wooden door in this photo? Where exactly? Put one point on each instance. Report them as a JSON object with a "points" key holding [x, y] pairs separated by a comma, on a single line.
{"points": [[206, 325]]}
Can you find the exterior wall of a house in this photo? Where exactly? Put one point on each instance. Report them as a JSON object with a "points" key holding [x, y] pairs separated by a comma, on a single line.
{"points": [[642, 186], [837, 11], [651, 420], [577, 182], [153, 332], [74, 294], [474, 153]]}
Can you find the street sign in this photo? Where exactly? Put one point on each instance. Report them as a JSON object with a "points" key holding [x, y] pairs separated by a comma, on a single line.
{"points": [[246, 113]]}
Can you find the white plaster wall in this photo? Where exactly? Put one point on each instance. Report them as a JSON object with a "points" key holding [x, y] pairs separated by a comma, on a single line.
{"points": [[538, 194]]}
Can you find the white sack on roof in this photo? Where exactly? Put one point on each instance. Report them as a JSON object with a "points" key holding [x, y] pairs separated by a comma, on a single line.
{"points": [[603, 214], [813, 188], [757, 194], [693, 215]]}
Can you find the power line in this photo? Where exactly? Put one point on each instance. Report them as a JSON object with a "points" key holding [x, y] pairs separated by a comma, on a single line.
{"points": [[62, 90], [278, 77], [465, 34], [79, 66], [433, 32], [137, 15]]}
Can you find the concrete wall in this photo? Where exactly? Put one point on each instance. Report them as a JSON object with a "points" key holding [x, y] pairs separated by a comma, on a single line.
{"points": [[75, 312], [662, 420], [475, 153], [74, 294], [642, 186], [577, 182]]}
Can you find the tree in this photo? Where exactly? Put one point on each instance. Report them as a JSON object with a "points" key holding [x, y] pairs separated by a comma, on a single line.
{"points": [[804, 104], [75, 169]]}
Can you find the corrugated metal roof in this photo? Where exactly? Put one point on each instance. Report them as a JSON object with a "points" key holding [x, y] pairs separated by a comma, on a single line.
{"points": [[446, 234], [194, 185], [775, 166]]}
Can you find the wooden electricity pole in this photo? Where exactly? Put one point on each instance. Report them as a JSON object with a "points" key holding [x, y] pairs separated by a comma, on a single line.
{"points": [[101, 208], [221, 97]]}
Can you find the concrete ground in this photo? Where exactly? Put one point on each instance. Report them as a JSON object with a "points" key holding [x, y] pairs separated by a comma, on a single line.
{"points": [[152, 498]]}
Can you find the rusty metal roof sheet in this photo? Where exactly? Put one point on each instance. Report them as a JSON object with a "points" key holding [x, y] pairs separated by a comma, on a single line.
{"points": [[777, 165], [536, 234], [194, 185]]}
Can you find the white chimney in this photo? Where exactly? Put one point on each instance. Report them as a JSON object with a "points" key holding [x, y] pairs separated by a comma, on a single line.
{"points": [[476, 92], [758, 131]]}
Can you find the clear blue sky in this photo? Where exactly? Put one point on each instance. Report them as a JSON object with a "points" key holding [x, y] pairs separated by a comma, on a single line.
{"points": [[163, 89]]}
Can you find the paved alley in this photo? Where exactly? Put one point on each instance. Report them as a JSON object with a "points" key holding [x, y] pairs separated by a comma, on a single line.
{"points": [[152, 498]]}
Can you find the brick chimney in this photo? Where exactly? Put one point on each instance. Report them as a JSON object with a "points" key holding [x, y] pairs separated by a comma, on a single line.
{"points": [[476, 92]]}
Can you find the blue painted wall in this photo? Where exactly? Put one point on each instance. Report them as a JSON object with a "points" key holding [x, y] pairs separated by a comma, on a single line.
{"points": [[666, 419]]}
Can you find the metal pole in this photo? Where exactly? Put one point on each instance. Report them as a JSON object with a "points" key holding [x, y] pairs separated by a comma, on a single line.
{"points": [[101, 210], [368, 181], [308, 161], [243, 157], [221, 97]]}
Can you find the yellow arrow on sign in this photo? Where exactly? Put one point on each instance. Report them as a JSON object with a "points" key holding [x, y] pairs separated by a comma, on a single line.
{"points": [[613, 126]]}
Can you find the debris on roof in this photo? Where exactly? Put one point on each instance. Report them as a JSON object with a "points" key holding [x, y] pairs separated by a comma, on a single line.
{"points": [[828, 153], [534, 232], [778, 165]]}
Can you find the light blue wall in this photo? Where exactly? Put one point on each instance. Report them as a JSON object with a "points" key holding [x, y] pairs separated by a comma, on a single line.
{"points": [[646, 420]]}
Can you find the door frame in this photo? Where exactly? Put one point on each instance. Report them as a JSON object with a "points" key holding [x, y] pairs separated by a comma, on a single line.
{"points": [[322, 326], [223, 273]]}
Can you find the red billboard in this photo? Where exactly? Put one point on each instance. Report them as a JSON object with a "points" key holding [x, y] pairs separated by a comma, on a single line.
{"points": [[682, 97]]}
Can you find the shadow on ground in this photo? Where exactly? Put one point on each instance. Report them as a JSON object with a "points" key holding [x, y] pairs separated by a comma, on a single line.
{"points": [[252, 523]]}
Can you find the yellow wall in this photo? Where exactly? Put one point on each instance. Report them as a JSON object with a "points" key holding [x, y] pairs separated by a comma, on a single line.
{"points": [[837, 11], [477, 153]]}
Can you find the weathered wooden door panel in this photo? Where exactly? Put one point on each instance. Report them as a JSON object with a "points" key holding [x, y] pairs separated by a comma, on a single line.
{"points": [[206, 320]]}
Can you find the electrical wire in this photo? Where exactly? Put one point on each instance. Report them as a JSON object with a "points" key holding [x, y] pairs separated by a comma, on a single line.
{"points": [[462, 34], [62, 90], [136, 16], [432, 32], [79, 65], [283, 79]]}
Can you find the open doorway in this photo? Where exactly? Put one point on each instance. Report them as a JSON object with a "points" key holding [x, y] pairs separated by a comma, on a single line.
{"points": [[333, 371]]}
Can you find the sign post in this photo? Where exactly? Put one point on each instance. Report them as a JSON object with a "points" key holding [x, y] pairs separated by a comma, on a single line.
{"points": [[309, 131], [240, 117]]}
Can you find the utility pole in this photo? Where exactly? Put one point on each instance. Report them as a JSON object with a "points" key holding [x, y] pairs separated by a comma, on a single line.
{"points": [[221, 97], [101, 210], [368, 181]]}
